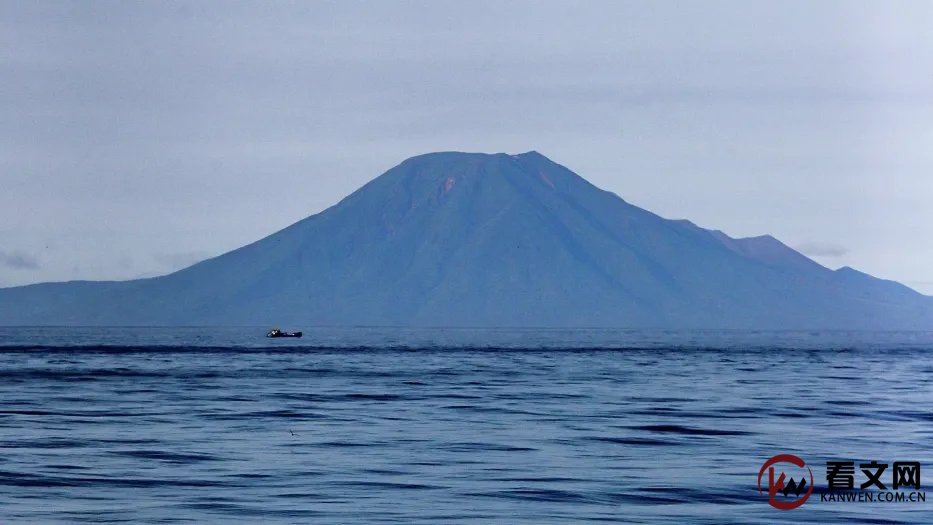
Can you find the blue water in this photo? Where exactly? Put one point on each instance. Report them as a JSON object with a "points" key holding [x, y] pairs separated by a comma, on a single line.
{"points": [[449, 426]]}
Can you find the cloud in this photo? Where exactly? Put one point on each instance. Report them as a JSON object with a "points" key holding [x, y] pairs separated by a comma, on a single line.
{"points": [[18, 260], [821, 249]]}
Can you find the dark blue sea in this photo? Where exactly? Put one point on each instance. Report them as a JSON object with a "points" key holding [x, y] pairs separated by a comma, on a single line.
{"points": [[184, 425]]}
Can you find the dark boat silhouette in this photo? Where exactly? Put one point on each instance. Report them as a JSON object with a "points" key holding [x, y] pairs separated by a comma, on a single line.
{"points": [[275, 332]]}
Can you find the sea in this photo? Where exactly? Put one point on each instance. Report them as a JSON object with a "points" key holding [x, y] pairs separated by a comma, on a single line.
{"points": [[425, 426]]}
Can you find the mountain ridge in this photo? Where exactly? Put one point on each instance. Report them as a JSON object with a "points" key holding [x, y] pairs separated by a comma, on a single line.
{"points": [[474, 239]]}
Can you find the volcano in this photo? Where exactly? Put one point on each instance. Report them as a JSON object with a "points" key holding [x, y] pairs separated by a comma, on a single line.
{"points": [[488, 240]]}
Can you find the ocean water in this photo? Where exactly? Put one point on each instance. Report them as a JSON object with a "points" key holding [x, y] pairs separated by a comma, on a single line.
{"points": [[182, 425]]}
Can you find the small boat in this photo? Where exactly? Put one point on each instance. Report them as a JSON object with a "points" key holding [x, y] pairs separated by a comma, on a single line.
{"points": [[275, 332]]}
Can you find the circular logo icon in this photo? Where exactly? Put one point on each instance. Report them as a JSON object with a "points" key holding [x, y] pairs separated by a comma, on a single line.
{"points": [[791, 490]]}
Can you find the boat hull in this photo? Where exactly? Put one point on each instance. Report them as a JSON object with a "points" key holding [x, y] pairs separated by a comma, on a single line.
{"points": [[285, 334]]}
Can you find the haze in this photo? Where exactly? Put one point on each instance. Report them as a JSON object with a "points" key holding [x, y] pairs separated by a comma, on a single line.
{"points": [[137, 138]]}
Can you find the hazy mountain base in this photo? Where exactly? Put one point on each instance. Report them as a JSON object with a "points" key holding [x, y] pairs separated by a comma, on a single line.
{"points": [[458, 239]]}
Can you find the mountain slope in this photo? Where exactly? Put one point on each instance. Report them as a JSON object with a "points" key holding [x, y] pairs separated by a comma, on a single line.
{"points": [[459, 239]]}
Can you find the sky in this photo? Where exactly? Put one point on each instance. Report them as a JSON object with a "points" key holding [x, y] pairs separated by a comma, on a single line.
{"points": [[139, 137]]}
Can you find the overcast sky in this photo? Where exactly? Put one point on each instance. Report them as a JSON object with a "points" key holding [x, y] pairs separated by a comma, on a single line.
{"points": [[139, 137]]}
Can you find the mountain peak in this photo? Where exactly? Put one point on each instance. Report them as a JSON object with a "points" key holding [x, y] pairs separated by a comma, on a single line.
{"points": [[447, 172], [474, 157], [532, 154]]}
